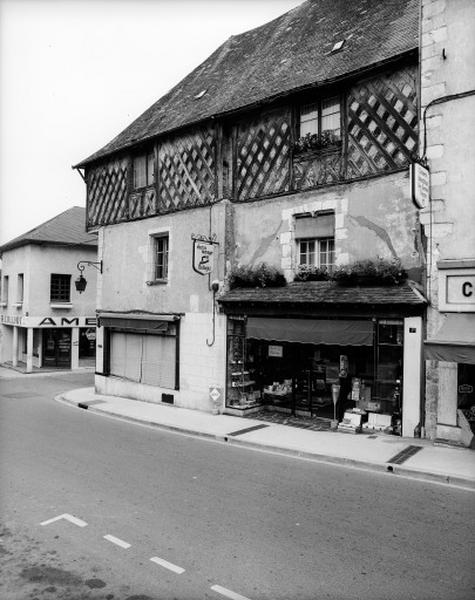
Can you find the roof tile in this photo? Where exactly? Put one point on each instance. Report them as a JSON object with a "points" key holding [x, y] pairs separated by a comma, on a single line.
{"points": [[288, 53], [325, 292], [69, 228]]}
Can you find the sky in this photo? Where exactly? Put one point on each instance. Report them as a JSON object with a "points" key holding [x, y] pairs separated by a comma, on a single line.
{"points": [[75, 73]]}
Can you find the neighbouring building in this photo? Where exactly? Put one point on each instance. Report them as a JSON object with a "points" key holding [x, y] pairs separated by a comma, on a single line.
{"points": [[288, 147], [448, 114], [44, 321]]}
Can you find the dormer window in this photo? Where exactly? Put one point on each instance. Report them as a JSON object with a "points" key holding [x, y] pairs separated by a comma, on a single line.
{"points": [[144, 170], [321, 116]]}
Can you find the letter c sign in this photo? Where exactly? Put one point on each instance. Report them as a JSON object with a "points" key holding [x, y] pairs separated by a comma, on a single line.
{"points": [[467, 289]]}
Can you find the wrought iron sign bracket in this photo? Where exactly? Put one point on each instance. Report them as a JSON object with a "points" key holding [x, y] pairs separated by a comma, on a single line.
{"points": [[81, 281]]}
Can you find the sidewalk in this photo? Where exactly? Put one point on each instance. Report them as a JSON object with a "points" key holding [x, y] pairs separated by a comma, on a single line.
{"points": [[409, 457], [7, 371]]}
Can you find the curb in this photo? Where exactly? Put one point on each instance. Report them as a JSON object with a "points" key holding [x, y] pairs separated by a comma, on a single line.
{"points": [[388, 468]]}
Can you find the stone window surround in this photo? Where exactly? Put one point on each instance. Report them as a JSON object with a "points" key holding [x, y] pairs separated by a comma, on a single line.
{"points": [[287, 236]]}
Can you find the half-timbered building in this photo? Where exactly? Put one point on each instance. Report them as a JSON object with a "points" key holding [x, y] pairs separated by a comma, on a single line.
{"points": [[289, 148]]}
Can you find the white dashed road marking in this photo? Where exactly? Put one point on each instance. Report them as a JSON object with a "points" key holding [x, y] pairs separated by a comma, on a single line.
{"points": [[167, 565], [67, 517], [228, 593], [117, 541]]}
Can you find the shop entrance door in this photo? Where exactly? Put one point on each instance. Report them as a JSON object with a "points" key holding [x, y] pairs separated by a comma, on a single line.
{"points": [[57, 348]]}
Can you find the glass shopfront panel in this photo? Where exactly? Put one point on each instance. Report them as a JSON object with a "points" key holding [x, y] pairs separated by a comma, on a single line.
{"points": [[57, 348], [466, 392], [295, 377]]}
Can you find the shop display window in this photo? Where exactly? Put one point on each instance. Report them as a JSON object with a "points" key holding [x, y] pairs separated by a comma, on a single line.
{"points": [[242, 392], [466, 392], [318, 380], [389, 361]]}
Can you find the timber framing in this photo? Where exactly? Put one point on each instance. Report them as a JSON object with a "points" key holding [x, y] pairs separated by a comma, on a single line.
{"points": [[252, 154]]}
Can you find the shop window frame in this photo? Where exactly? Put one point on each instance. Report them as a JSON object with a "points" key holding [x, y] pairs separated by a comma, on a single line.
{"points": [[106, 350]]}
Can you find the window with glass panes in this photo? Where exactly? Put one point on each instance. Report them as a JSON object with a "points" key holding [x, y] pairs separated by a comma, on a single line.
{"points": [[144, 170], [317, 253], [321, 116], [161, 257], [60, 288], [5, 289], [20, 287]]}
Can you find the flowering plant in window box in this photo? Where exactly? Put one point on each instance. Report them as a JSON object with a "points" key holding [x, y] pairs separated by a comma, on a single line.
{"points": [[317, 141], [370, 272], [312, 273], [261, 275]]}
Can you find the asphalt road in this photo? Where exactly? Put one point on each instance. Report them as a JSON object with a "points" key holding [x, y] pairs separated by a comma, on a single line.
{"points": [[218, 521]]}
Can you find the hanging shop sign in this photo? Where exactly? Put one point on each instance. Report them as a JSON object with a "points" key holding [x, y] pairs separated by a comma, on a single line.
{"points": [[203, 253], [419, 177]]}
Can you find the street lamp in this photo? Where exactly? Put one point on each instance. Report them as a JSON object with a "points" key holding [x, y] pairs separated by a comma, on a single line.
{"points": [[81, 281]]}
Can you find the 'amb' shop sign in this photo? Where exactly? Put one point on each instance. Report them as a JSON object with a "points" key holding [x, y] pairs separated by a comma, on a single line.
{"points": [[59, 321], [203, 253]]}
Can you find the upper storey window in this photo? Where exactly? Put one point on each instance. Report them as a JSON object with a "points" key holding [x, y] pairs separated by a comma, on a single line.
{"points": [[60, 288], [322, 116], [144, 170]]}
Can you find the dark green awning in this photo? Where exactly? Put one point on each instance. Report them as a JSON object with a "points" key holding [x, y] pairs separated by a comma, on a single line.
{"points": [[336, 332]]}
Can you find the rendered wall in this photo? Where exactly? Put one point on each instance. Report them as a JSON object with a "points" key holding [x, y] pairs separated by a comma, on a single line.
{"points": [[126, 250], [447, 68], [373, 218]]}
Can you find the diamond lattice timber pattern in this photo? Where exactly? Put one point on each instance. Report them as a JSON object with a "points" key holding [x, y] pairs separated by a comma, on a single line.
{"points": [[263, 156], [187, 171], [380, 135], [382, 123]]}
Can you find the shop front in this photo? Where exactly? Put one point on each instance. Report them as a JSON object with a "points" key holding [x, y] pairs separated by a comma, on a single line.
{"points": [[450, 355], [51, 341], [332, 355]]}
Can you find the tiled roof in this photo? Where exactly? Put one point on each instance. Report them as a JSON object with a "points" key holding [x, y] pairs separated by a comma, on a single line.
{"points": [[325, 292], [67, 228], [289, 53]]}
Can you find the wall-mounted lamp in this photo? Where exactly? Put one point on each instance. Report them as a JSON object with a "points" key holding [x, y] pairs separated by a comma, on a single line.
{"points": [[81, 281]]}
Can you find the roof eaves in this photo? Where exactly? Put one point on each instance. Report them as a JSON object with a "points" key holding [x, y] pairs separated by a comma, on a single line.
{"points": [[27, 241]]}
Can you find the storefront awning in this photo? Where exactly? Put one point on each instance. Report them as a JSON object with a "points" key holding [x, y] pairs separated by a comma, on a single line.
{"points": [[137, 321], [312, 331], [455, 340]]}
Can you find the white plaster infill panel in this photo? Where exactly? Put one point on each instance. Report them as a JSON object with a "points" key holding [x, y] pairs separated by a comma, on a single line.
{"points": [[411, 393]]}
